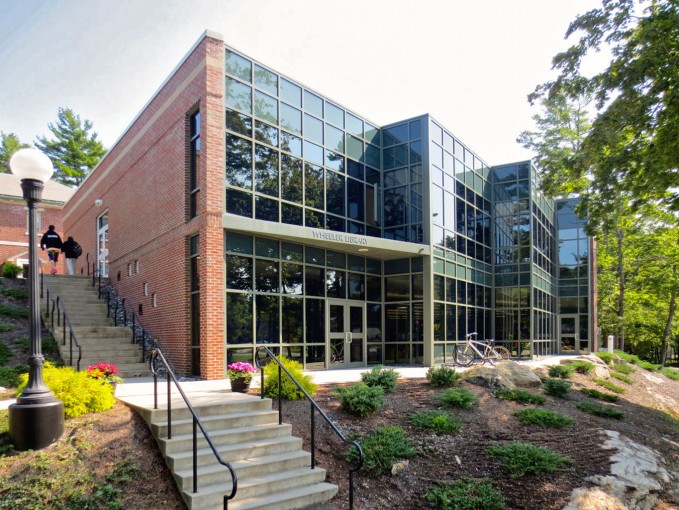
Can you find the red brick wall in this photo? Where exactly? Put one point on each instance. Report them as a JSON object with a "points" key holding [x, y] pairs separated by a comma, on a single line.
{"points": [[14, 229], [142, 182]]}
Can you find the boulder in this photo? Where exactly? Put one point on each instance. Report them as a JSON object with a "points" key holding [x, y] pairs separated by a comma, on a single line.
{"points": [[506, 376]]}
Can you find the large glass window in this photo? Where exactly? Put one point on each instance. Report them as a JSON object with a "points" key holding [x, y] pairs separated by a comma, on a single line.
{"points": [[266, 107], [238, 66], [266, 80], [292, 318], [267, 319], [313, 186], [238, 95], [238, 162], [291, 179], [266, 170], [239, 318], [291, 93], [238, 272], [313, 128], [335, 193]]}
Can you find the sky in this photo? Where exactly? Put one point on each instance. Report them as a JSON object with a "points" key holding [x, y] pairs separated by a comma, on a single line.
{"points": [[470, 64]]}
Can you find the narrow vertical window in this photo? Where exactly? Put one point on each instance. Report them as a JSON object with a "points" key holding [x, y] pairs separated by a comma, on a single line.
{"points": [[194, 291], [194, 157]]}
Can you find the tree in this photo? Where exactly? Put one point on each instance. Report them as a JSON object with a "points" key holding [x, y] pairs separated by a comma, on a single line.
{"points": [[73, 151], [631, 149], [9, 144]]}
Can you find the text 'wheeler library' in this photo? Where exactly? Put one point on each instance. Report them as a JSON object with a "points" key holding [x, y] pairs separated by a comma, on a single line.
{"points": [[300, 225]]}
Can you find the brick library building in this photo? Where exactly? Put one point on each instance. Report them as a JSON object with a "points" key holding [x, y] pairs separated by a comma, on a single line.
{"points": [[241, 208]]}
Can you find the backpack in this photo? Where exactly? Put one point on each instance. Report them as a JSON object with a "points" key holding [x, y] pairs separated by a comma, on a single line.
{"points": [[77, 249]]}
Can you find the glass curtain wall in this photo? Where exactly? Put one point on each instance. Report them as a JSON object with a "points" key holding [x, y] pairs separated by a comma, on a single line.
{"points": [[294, 157], [461, 238], [574, 288]]}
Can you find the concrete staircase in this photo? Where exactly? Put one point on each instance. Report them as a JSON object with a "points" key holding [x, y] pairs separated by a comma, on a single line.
{"points": [[100, 340], [272, 470]]}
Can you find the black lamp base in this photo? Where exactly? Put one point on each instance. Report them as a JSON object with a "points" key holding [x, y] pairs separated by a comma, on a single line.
{"points": [[36, 426]]}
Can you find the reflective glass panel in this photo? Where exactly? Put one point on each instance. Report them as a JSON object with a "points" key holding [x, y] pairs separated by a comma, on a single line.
{"points": [[238, 122], [397, 288], [313, 186], [291, 179], [267, 319], [266, 133], [266, 209], [239, 243], [291, 215], [238, 66], [334, 138], [266, 107], [238, 272], [266, 170], [334, 115], [355, 201], [355, 148], [266, 80], [315, 320], [266, 275], [334, 161], [355, 169], [238, 162], [292, 318], [291, 93], [313, 128], [313, 152], [354, 125], [372, 134], [291, 143], [335, 193], [335, 283], [291, 119], [314, 281], [239, 202], [313, 104], [238, 318], [238, 95]]}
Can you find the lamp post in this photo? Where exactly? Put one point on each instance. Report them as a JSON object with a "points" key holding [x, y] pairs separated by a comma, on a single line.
{"points": [[37, 418]]}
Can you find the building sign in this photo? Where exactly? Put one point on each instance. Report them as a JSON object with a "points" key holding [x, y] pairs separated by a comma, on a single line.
{"points": [[338, 236]]}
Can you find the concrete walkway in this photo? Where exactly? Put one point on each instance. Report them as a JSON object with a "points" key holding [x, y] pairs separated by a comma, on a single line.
{"points": [[138, 392]]}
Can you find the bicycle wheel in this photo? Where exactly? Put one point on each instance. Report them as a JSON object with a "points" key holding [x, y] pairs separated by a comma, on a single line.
{"points": [[498, 354], [464, 355]]}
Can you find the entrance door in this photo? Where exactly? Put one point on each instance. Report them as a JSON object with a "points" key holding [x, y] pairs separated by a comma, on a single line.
{"points": [[346, 334], [568, 334], [102, 244]]}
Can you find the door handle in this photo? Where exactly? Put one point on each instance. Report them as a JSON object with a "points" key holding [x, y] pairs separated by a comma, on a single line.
{"points": [[348, 337]]}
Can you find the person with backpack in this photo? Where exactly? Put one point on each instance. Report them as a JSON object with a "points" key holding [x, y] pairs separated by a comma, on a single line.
{"points": [[52, 242], [72, 250]]}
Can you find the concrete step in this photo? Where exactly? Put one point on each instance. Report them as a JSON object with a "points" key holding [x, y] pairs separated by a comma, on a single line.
{"points": [[227, 436], [232, 403], [244, 468], [215, 422], [234, 452], [300, 497], [256, 486]]}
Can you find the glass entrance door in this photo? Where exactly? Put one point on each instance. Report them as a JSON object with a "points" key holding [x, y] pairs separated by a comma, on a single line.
{"points": [[102, 244], [346, 334], [568, 334]]}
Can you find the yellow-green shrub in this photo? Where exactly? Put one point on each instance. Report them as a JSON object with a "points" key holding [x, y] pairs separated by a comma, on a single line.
{"points": [[79, 393], [289, 389]]}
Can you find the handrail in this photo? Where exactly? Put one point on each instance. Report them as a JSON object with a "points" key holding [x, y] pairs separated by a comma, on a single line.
{"points": [[62, 320], [112, 308], [314, 407], [154, 355]]}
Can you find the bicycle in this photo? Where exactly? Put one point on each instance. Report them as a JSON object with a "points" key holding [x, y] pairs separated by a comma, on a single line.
{"points": [[465, 354]]}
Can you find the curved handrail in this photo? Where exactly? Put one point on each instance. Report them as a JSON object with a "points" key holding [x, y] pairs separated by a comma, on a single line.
{"points": [[62, 320], [153, 356], [314, 407]]}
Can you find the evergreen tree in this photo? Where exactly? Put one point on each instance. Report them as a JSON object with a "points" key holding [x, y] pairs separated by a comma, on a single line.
{"points": [[9, 144], [73, 150]]}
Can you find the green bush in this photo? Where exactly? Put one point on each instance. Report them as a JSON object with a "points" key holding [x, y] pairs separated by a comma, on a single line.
{"points": [[13, 311], [557, 387], [606, 357], [16, 293], [382, 448], [379, 376], [443, 376], [466, 494], [651, 367], [670, 373], [598, 410], [561, 371], [361, 399], [440, 422], [521, 396], [543, 418], [608, 385], [458, 397], [289, 389], [583, 367], [10, 377], [80, 393], [5, 354], [606, 397], [5, 326], [629, 358], [524, 459], [11, 270], [623, 368], [622, 378]]}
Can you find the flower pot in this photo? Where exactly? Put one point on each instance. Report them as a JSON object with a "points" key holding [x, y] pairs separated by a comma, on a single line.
{"points": [[240, 385]]}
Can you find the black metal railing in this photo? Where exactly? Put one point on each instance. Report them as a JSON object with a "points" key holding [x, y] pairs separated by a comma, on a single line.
{"points": [[53, 308], [116, 310], [154, 356], [314, 408]]}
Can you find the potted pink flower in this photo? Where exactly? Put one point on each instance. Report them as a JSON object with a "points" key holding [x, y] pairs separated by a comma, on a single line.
{"points": [[105, 372], [240, 374]]}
